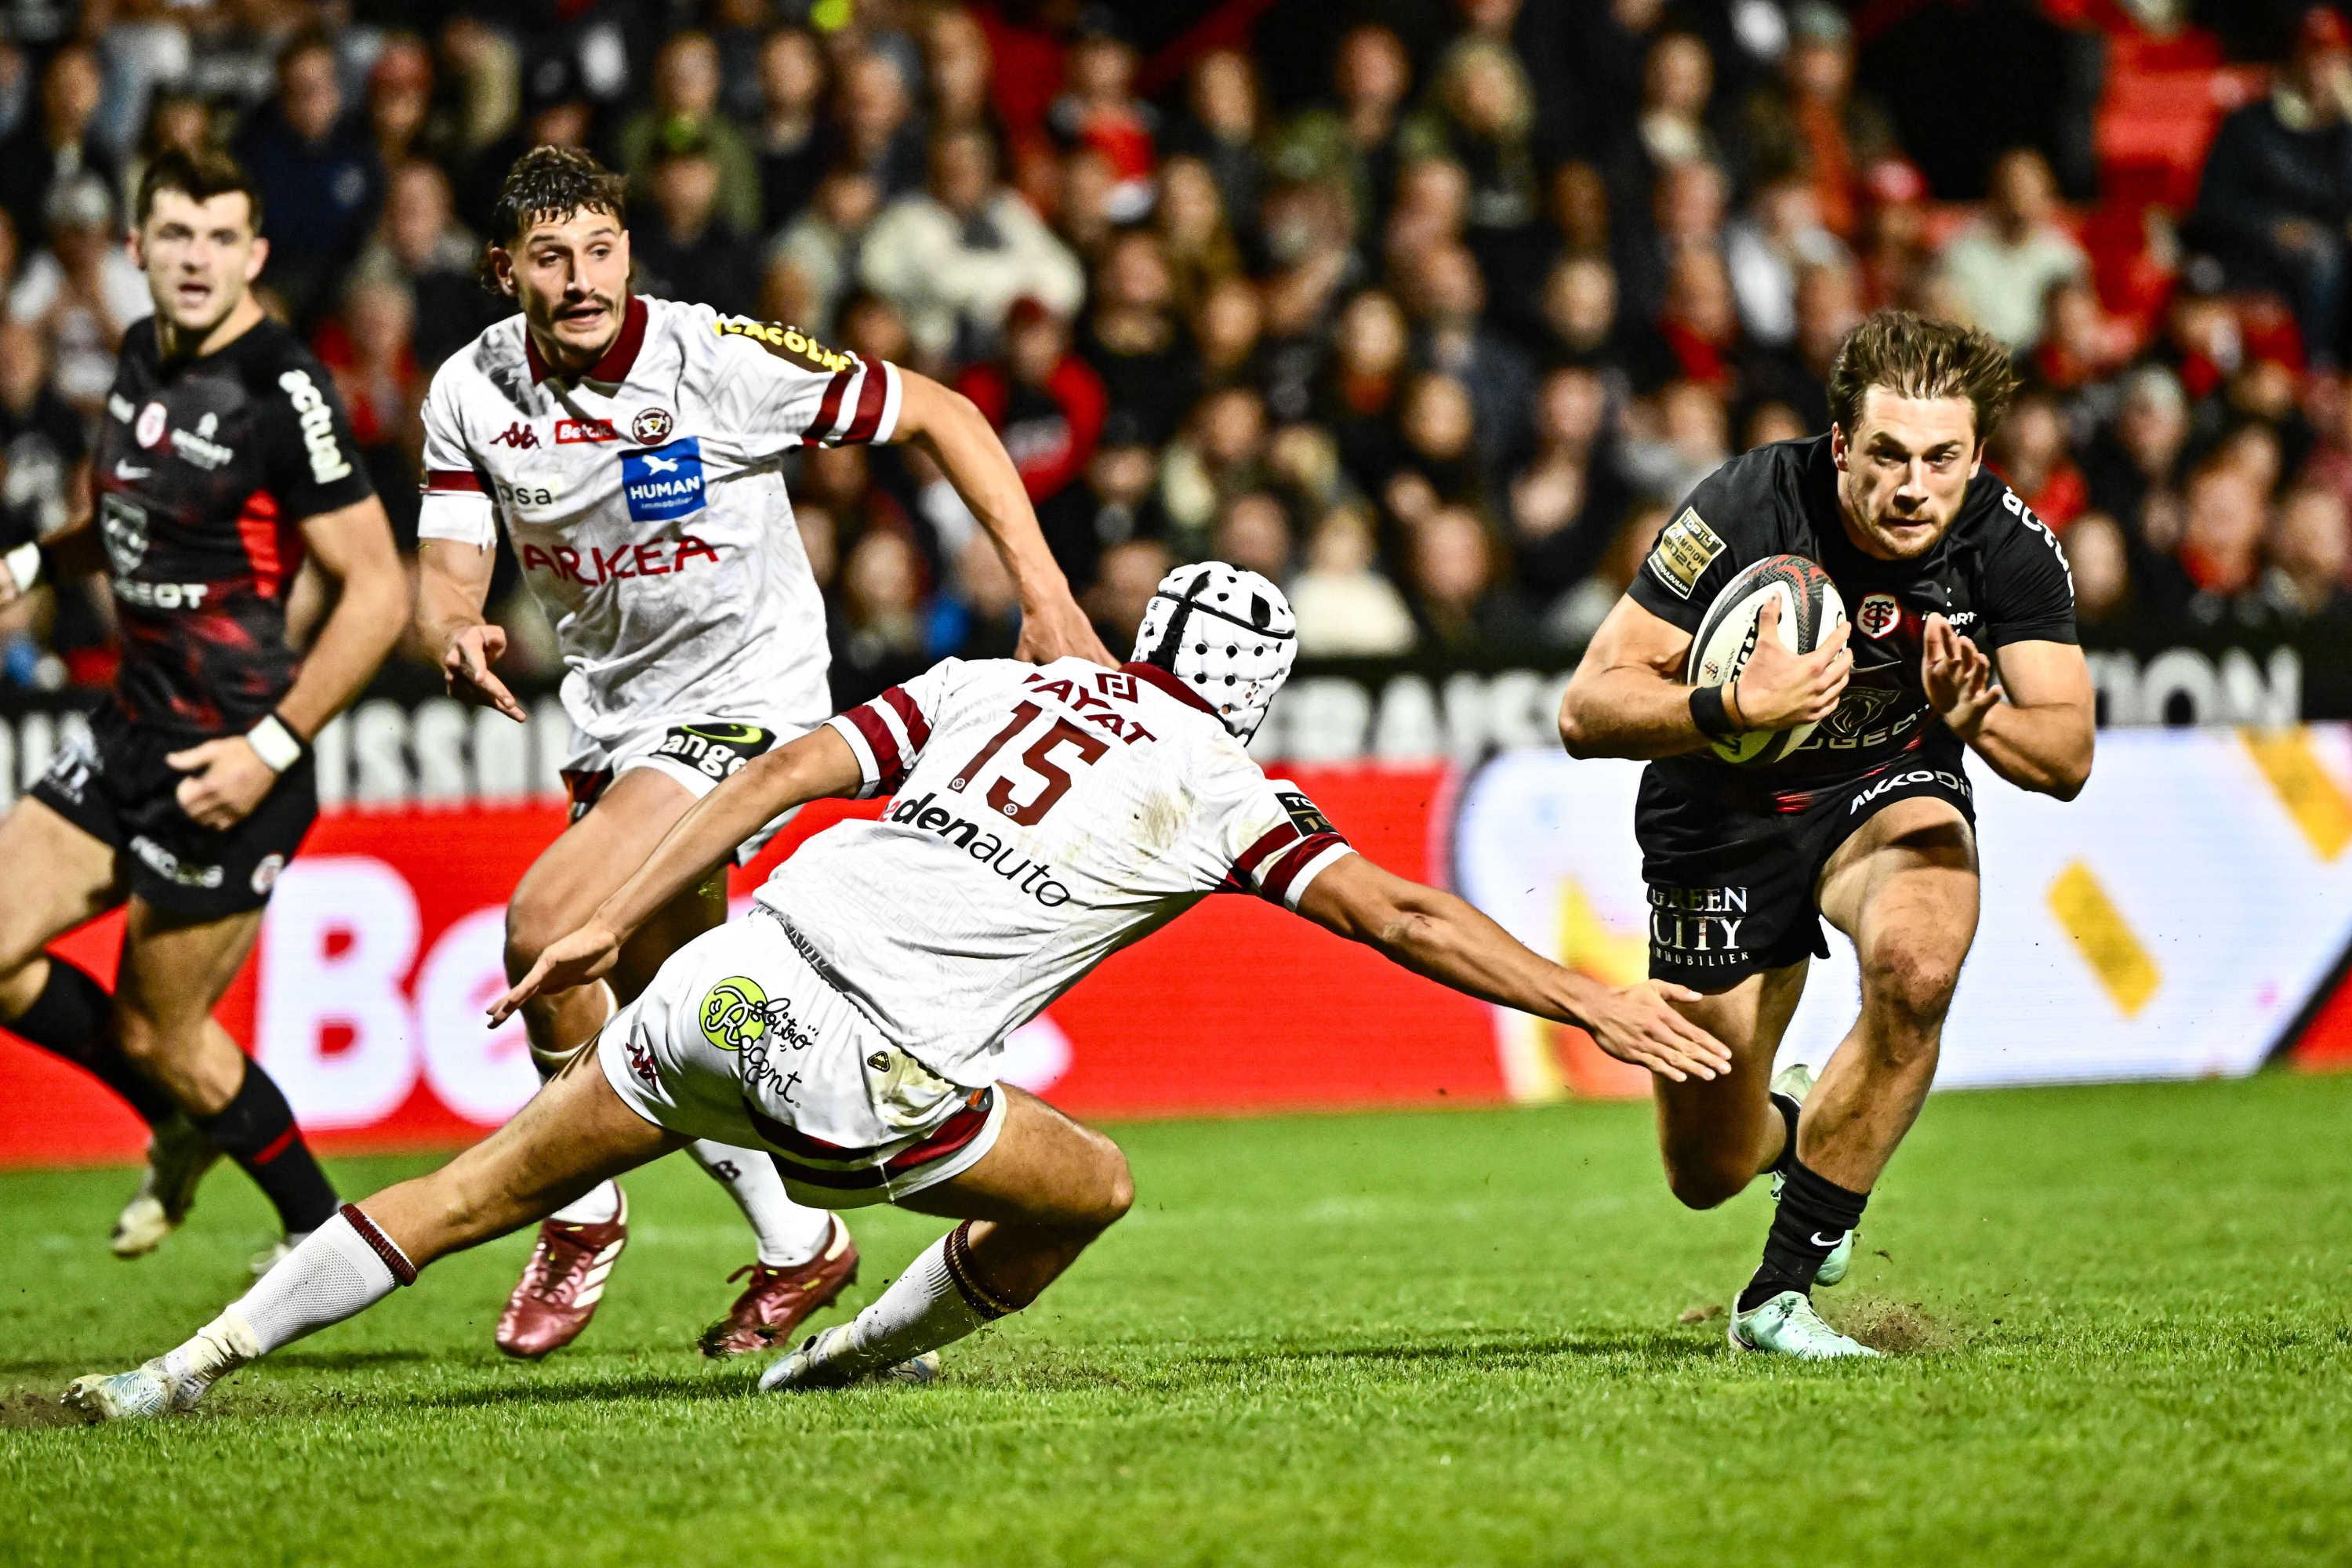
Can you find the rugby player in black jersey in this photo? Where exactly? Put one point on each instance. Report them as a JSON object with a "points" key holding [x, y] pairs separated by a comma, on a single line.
{"points": [[1962, 638], [225, 460]]}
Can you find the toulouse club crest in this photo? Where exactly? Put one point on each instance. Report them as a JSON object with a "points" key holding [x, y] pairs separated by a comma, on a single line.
{"points": [[149, 430], [1877, 614]]}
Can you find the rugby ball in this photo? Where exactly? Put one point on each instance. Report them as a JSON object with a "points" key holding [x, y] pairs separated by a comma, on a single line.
{"points": [[1809, 609]]}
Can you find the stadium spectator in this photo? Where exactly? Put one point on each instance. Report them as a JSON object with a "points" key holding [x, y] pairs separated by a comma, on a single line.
{"points": [[2216, 577], [2002, 264], [58, 142], [792, 140], [400, 99], [80, 291], [2100, 562], [1354, 138], [1100, 112], [1194, 228], [1462, 609], [813, 263], [1254, 534], [2030, 451], [1115, 499], [1346, 607], [1807, 123], [1221, 126], [2310, 553], [877, 128], [2276, 192], [1122, 590], [682, 241], [685, 115], [1044, 401], [1764, 249], [43, 451], [877, 626], [420, 245], [955, 255], [1565, 503], [315, 166], [1134, 340]]}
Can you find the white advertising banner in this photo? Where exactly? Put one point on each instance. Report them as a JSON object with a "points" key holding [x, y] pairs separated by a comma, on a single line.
{"points": [[2168, 924]]}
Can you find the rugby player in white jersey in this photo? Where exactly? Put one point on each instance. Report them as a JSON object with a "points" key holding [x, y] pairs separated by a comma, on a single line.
{"points": [[632, 447], [850, 1023]]}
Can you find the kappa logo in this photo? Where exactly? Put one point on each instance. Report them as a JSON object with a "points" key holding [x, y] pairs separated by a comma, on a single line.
{"points": [[571, 432], [663, 482], [652, 426], [517, 435], [1877, 614], [641, 1062]]}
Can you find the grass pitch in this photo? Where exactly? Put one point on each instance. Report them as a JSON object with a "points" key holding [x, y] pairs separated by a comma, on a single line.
{"points": [[1468, 1338]]}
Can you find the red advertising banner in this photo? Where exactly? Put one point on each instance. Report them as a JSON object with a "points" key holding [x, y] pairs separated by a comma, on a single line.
{"points": [[381, 949]]}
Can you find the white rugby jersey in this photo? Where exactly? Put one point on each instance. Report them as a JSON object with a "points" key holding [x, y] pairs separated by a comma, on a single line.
{"points": [[645, 508], [1046, 818]]}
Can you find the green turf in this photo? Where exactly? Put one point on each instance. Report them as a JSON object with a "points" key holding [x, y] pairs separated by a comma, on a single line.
{"points": [[1442, 1337]]}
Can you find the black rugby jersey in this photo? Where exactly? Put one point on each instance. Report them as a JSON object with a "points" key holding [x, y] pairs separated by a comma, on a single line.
{"points": [[1998, 575], [207, 469]]}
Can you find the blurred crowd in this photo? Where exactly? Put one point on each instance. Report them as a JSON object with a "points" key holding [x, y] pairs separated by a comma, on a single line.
{"points": [[1431, 309]]}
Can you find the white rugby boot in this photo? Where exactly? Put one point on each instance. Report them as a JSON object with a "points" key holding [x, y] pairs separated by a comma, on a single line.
{"points": [[823, 1361], [178, 1155]]}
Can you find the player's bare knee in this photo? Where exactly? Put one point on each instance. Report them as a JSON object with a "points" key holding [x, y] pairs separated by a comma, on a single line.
{"points": [[1705, 1182], [1908, 988], [1118, 1192]]}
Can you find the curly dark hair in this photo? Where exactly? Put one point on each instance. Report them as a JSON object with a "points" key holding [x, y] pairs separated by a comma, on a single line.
{"points": [[1913, 355], [549, 183]]}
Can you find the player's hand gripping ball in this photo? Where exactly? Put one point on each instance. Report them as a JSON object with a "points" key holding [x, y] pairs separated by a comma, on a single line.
{"points": [[1775, 637]]}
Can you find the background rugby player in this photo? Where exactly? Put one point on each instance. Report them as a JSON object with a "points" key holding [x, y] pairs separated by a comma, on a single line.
{"points": [[1946, 575], [632, 447], [225, 460]]}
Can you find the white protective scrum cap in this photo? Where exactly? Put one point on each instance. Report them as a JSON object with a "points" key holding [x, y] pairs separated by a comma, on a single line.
{"points": [[1228, 635]]}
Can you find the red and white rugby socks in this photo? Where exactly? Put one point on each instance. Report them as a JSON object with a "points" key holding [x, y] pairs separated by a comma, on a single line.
{"points": [[937, 1301], [339, 1271], [788, 1234]]}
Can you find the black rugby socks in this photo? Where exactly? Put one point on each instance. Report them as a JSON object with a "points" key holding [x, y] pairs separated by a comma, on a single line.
{"points": [[1814, 1216], [72, 1017], [255, 1129]]}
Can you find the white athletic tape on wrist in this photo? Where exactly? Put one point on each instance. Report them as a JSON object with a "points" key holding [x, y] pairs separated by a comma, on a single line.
{"points": [[25, 566], [274, 743]]}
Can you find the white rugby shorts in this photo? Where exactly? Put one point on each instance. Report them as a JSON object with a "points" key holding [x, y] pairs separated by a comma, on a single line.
{"points": [[738, 1039], [699, 750]]}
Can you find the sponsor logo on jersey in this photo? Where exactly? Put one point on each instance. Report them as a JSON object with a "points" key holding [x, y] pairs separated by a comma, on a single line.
{"points": [[129, 474], [149, 428], [1697, 928], [123, 525], [716, 751], [1683, 551], [652, 426], [120, 407], [1950, 781], [198, 446], [571, 432], [790, 341], [265, 875], [171, 869], [1877, 614], [1033, 878], [654, 558], [663, 482], [328, 463], [517, 435], [1859, 708]]}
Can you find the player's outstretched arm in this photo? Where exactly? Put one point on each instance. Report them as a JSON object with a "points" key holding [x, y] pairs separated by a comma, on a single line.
{"points": [[2035, 727], [954, 432], [818, 765], [452, 583], [1627, 697], [1439, 936]]}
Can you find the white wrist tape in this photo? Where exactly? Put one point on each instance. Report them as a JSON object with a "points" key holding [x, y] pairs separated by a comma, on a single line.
{"points": [[25, 566], [274, 743]]}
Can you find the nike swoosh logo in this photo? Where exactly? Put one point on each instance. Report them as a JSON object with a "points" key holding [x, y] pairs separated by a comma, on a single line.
{"points": [[1820, 1240], [726, 734]]}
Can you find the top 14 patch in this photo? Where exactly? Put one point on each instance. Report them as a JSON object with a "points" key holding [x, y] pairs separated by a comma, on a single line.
{"points": [[663, 482], [1683, 552]]}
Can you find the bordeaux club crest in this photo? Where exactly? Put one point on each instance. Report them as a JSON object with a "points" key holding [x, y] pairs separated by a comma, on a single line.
{"points": [[652, 426]]}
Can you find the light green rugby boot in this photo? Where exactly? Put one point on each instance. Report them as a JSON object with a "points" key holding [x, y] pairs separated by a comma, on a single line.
{"points": [[1788, 1325], [1796, 1081]]}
